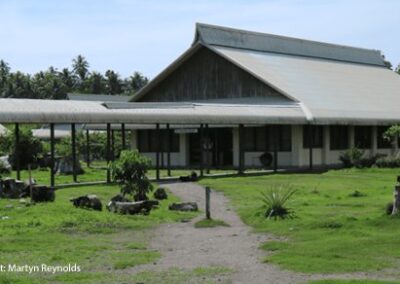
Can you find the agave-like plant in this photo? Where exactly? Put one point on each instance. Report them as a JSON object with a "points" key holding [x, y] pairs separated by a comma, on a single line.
{"points": [[275, 199]]}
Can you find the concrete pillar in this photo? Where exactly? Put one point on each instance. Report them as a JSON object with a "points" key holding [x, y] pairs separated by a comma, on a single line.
{"points": [[297, 145], [235, 146], [134, 140], [396, 145], [351, 137], [326, 146], [183, 150], [374, 142]]}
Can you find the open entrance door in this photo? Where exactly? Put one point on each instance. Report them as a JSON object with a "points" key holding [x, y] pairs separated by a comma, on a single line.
{"points": [[217, 148]]}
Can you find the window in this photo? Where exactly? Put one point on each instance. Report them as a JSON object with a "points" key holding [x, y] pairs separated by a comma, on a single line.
{"points": [[382, 142], [317, 140], [363, 137], [148, 142], [339, 137], [285, 138], [261, 139]]}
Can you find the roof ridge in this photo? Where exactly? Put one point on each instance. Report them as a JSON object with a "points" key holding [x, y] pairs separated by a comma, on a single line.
{"points": [[217, 27]]}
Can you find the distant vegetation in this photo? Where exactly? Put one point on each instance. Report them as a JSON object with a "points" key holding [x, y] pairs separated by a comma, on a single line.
{"points": [[55, 84]]}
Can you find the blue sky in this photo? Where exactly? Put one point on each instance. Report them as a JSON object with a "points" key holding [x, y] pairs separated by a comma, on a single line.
{"points": [[148, 35]]}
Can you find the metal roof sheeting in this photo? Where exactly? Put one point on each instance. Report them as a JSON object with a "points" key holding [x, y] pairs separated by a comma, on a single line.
{"points": [[228, 37], [98, 98], [50, 111], [332, 91]]}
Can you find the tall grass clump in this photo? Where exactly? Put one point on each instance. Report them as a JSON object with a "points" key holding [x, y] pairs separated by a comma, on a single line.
{"points": [[275, 201]]}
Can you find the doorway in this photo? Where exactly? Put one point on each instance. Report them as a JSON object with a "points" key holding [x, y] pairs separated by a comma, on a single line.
{"points": [[217, 148]]}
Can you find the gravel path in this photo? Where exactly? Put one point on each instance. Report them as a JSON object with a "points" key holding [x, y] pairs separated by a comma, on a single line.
{"points": [[235, 247]]}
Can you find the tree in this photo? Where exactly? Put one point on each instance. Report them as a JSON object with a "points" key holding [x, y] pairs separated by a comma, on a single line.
{"points": [[80, 67], [18, 86], [113, 83], [387, 63], [30, 148], [4, 73], [68, 79], [129, 171], [135, 82], [95, 83], [398, 69], [49, 85]]}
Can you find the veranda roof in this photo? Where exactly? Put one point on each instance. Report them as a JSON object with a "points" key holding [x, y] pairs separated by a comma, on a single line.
{"points": [[64, 111]]}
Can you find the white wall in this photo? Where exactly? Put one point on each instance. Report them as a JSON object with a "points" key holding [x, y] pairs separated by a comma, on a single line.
{"points": [[178, 159], [298, 157]]}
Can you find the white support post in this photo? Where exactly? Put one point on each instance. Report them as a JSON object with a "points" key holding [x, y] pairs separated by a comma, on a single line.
{"points": [[183, 150], [351, 136], [374, 142], [297, 145], [235, 146], [327, 145], [134, 140]]}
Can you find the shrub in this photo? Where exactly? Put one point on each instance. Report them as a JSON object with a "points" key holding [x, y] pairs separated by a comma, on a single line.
{"points": [[30, 148], [389, 208], [129, 171], [351, 156], [274, 202], [354, 157], [388, 162]]}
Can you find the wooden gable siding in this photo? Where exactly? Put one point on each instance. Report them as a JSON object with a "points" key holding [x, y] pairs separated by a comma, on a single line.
{"points": [[207, 75]]}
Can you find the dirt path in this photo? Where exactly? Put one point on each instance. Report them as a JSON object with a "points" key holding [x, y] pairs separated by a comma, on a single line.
{"points": [[235, 247]]}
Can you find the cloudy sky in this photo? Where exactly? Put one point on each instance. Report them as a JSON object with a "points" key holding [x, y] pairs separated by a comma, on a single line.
{"points": [[147, 35]]}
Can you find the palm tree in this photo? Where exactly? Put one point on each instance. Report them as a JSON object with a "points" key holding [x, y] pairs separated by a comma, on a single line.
{"points": [[95, 83], [80, 67], [68, 78], [113, 85]]}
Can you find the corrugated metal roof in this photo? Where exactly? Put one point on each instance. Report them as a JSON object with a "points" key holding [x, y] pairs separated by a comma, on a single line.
{"points": [[50, 111], [334, 92], [98, 98], [223, 36], [60, 131]]}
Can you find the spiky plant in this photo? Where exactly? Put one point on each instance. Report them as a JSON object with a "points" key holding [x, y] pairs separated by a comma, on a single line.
{"points": [[275, 199]]}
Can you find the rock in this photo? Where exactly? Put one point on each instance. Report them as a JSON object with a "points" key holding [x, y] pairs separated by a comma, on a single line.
{"points": [[40, 193], [186, 206], [87, 202], [160, 194], [119, 198], [9, 206], [139, 207], [11, 188], [189, 178]]}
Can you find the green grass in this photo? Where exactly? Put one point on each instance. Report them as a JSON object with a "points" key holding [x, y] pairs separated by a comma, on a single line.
{"points": [[210, 223], [332, 231], [101, 243], [97, 172]]}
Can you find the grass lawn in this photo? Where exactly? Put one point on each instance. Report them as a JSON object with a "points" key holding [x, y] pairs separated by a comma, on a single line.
{"points": [[332, 231], [97, 172], [101, 243]]}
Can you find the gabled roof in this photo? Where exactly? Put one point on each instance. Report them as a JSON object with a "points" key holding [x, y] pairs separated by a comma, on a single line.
{"points": [[332, 83], [235, 38]]}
